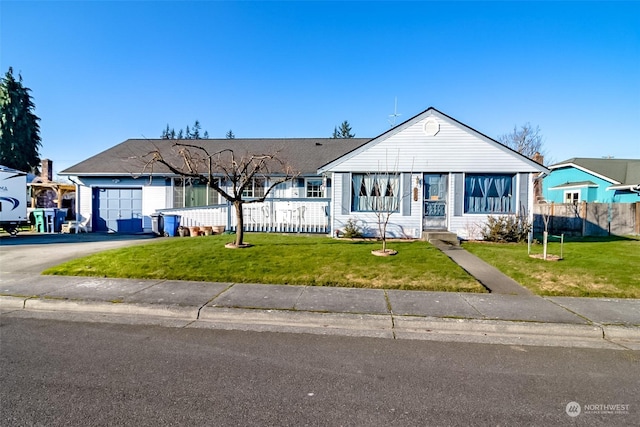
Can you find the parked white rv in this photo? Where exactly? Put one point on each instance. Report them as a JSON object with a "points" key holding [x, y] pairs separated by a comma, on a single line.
{"points": [[13, 199]]}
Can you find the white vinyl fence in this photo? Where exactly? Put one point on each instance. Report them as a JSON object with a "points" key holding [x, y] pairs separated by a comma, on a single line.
{"points": [[273, 215]]}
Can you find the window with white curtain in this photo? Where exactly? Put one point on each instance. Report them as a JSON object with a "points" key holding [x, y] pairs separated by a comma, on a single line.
{"points": [[374, 192], [489, 194]]}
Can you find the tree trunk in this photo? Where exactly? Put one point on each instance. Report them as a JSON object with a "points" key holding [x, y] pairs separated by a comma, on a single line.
{"points": [[240, 222]]}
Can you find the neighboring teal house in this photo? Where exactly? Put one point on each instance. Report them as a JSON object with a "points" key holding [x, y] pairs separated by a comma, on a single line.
{"points": [[593, 181]]}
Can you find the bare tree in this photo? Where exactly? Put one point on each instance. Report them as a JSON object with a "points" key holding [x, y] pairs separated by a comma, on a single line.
{"points": [[384, 198], [527, 140], [231, 174], [384, 202]]}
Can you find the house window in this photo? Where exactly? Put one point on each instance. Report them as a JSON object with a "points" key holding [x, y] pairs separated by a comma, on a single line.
{"points": [[489, 194], [314, 188], [191, 192], [255, 189], [374, 192], [572, 197]]}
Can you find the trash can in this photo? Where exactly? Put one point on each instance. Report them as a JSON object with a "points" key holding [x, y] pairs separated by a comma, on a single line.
{"points": [[157, 224], [61, 216], [38, 216], [49, 219], [171, 224]]}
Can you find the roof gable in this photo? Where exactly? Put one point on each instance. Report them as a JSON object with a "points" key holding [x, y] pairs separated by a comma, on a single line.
{"points": [[434, 141], [615, 171]]}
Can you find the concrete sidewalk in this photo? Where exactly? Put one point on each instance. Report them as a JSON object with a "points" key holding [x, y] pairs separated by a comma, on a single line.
{"points": [[491, 318]]}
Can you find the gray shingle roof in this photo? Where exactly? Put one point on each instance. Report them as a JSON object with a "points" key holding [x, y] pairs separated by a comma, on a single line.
{"points": [[624, 171], [305, 155]]}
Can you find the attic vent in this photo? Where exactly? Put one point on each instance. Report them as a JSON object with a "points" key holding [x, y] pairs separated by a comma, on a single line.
{"points": [[318, 143], [431, 126]]}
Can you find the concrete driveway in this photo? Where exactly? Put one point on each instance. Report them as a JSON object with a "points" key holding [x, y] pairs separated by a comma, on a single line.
{"points": [[32, 253]]}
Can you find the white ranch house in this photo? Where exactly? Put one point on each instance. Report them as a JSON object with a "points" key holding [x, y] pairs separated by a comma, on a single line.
{"points": [[432, 172]]}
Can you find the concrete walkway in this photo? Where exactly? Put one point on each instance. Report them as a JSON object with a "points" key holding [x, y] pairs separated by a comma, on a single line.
{"points": [[490, 277]]}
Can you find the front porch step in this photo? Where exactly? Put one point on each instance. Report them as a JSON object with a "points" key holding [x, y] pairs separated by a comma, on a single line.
{"points": [[443, 236]]}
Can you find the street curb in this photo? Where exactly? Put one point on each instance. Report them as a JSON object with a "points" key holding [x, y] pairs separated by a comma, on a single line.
{"points": [[369, 325], [9, 302], [623, 335], [497, 327], [345, 324], [187, 313]]}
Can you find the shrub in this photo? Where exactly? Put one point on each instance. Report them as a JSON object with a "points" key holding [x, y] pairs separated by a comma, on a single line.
{"points": [[352, 230], [506, 229]]}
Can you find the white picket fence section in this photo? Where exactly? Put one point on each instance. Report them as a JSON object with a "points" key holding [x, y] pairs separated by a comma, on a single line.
{"points": [[273, 215]]}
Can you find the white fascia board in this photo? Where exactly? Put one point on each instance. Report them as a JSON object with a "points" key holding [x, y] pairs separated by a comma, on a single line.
{"points": [[569, 186], [372, 143], [583, 169], [630, 187]]}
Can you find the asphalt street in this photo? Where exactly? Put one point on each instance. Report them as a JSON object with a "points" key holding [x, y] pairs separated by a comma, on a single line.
{"points": [[92, 374]]}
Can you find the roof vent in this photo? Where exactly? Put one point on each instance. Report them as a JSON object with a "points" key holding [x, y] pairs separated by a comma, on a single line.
{"points": [[431, 126]]}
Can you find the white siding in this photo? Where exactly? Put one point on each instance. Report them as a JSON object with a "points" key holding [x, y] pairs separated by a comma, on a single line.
{"points": [[154, 197], [84, 204], [452, 149]]}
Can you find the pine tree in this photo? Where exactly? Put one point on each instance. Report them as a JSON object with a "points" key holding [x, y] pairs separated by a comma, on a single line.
{"points": [[343, 132], [168, 133], [195, 133], [19, 129], [230, 135]]}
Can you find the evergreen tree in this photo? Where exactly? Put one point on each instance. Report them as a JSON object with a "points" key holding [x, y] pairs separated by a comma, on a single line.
{"points": [[195, 133], [168, 133], [19, 129], [230, 135], [188, 133], [343, 132]]}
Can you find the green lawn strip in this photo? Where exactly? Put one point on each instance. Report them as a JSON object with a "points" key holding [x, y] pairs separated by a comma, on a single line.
{"points": [[592, 267], [280, 259]]}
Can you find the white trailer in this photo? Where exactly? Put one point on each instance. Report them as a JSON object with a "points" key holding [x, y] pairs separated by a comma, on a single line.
{"points": [[13, 199]]}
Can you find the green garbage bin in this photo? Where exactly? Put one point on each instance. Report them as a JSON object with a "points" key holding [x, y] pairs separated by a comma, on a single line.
{"points": [[38, 216]]}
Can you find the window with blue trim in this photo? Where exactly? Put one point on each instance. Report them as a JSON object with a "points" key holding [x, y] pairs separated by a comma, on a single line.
{"points": [[489, 194]]}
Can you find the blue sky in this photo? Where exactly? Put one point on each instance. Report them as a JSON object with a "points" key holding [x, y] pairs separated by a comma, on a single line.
{"points": [[105, 71]]}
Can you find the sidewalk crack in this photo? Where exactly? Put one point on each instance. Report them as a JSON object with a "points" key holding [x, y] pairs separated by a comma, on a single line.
{"points": [[390, 310], [213, 298], [482, 315]]}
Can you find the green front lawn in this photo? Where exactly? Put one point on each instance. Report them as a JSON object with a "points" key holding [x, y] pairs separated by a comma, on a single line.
{"points": [[280, 259], [592, 267]]}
